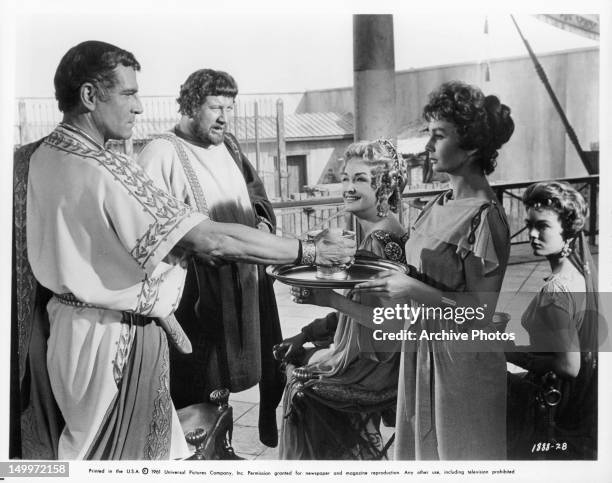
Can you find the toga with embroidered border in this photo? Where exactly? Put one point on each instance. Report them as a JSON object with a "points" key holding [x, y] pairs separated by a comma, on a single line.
{"points": [[99, 236]]}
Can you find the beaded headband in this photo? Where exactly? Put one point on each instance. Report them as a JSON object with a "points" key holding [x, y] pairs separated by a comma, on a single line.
{"points": [[551, 203], [547, 203]]}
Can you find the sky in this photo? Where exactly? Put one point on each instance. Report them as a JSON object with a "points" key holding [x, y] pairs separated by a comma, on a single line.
{"points": [[270, 51]]}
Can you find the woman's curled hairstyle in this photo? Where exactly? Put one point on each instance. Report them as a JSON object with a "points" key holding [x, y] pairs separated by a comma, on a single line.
{"points": [[482, 123], [561, 198], [388, 170]]}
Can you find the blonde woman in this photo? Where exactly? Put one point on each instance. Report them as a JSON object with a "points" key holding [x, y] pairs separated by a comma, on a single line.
{"points": [[336, 415]]}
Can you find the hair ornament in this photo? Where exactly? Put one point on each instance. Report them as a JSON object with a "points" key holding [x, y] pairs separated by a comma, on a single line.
{"points": [[392, 180], [545, 203]]}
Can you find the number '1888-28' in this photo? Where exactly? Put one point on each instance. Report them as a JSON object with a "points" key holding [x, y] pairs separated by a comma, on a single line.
{"points": [[547, 446]]}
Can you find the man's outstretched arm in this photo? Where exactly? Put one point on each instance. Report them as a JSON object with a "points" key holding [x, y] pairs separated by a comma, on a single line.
{"points": [[212, 241]]}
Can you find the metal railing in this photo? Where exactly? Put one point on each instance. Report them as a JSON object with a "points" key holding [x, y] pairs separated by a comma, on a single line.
{"points": [[296, 217]]}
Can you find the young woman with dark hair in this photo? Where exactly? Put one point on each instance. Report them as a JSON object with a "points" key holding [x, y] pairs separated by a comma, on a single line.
{"points": [[452, 395], [562, 322]]}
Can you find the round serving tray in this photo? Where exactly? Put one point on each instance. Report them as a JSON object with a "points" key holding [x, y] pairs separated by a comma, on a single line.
{"points": [[306, 275]]}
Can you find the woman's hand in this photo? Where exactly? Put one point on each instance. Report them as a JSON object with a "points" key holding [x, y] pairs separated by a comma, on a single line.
{"points": [[313, 296], [289, 347], [389, 284]]}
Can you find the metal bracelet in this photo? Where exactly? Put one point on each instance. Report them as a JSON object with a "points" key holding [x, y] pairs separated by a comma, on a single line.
{"points": [[309, 253]]}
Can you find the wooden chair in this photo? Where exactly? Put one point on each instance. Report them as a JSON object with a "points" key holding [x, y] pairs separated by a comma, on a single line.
{"points": [[355, 399]]}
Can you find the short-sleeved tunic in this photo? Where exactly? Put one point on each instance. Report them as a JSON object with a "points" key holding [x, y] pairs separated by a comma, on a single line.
{"points": [[560, 318], [99, 232], [451, 403]]}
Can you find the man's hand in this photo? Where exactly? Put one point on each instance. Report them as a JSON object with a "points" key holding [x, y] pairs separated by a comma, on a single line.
{"points": [[334, 249]]}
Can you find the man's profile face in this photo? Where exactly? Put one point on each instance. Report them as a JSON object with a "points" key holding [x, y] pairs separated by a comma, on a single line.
{"points": [[209, 122], [116, 112]]}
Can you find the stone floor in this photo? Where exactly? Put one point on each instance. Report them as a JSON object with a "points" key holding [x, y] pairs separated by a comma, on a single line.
{"points": [[524, 275]]}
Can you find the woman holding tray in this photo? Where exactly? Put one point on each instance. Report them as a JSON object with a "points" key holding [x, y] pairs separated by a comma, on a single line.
{"points": [[337, 413], [562, 322], [452, 394]]}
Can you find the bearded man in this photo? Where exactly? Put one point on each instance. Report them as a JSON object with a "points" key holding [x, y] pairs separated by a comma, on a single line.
{"points": [[229, 313]]}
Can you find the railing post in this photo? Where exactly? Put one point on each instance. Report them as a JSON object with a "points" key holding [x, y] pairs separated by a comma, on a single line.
{"points": [[235, 119], [246, 130], [22, 123], [281, 151], [593, 185], [499, 193], [257, 148]]}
